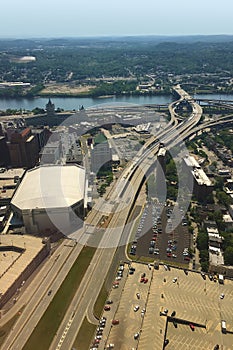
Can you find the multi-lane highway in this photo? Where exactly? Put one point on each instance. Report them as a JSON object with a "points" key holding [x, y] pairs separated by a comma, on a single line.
{"points": [[117, 208], [123, 198]]}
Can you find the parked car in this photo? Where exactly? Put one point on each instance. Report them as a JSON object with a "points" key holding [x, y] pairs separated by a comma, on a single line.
{"points": [[191, 326], [136, 335], [115, 322]]}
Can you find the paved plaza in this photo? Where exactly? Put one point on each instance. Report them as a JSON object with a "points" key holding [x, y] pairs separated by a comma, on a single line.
{"points": [[194, 299]]}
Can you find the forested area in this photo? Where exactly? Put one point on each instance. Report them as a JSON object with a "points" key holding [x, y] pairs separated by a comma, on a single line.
{"points": [[84, 60]]}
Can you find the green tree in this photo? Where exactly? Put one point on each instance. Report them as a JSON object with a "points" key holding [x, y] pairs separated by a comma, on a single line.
{"points": [[228, 255], [202, 241]]}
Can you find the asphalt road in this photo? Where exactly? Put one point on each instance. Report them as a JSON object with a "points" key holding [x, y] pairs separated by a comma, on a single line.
{"points": [[123, 202]]}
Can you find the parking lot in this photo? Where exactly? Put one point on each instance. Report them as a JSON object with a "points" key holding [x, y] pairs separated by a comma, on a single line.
{"points": [[193, 300], [159, 237]]}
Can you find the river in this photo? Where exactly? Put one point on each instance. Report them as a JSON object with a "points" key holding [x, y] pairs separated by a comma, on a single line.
{"points": [[74, 103]]}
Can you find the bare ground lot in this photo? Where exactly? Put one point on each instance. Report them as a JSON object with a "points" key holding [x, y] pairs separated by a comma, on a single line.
{"points": [[66, 89]]}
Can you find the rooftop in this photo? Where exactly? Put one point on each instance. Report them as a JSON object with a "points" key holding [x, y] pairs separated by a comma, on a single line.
{"points": [[14, 262], [11, 173], [191, 162], [50, 186]]}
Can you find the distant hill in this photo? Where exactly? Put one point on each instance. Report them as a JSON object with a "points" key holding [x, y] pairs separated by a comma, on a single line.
{"points": [[109, 41]]}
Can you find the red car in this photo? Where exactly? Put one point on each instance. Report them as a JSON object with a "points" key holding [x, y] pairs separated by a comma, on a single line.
{"points": [[145, 280], [191, 326], [107, 308], [142, 280], [169, 255], [114, 322]]}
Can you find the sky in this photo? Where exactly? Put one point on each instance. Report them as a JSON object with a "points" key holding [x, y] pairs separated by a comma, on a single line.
{"points": [[75, 18]]}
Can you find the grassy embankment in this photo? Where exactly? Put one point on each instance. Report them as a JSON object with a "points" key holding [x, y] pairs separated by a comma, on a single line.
{"points": [[43, 334]]}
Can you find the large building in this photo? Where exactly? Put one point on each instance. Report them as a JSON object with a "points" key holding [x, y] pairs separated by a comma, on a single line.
{"points": [[20, 256], [51, 199], [202, 185], [101, 153], [23, 148]]}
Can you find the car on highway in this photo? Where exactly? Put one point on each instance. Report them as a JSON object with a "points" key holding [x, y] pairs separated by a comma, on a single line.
{"points": [[136, 308]]}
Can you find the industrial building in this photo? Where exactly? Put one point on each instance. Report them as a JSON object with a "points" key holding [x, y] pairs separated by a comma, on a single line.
{"points": [[51, 199]]}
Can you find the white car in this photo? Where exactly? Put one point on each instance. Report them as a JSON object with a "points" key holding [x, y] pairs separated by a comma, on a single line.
{"points": [[222, 296], [136, 308]]}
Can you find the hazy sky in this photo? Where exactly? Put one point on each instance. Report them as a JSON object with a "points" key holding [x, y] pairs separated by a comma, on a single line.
{"points": [[56, 18]]}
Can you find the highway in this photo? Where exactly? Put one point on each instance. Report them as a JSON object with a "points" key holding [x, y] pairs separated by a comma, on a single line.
{"points": [[123, 198], [118, 207]]}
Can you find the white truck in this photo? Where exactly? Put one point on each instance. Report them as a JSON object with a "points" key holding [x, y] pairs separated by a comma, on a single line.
{"points": [[221, 279]]}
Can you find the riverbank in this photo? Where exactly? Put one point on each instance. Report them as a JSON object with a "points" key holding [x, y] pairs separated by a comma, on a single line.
{"points": [[74, 103]]}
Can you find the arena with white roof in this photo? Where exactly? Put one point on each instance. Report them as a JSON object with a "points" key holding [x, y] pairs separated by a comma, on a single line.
{"points": [[51, 198]]}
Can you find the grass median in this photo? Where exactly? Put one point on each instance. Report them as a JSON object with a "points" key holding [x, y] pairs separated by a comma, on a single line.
{"points": [[84, 336], [42, 336]]}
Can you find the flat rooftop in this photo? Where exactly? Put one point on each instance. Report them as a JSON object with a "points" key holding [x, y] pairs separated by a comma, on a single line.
{"points": [[11, 173], [14, 261], [51, 186], [191, 162]]}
